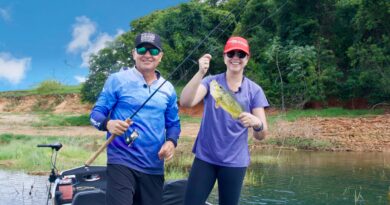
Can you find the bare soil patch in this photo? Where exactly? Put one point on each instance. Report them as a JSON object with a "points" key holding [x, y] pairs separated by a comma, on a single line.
{"points": [[347, 134]]}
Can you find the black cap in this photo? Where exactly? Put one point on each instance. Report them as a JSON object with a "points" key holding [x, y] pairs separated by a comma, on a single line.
{"points": [[148, 37]]}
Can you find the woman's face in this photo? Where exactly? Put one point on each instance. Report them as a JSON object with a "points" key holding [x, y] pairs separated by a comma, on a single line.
{"points": [[236, 60]]}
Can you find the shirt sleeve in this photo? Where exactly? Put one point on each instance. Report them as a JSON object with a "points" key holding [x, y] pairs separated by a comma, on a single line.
{"points": [[259, 99], [106, 101], [172, 121], [206, 81]]}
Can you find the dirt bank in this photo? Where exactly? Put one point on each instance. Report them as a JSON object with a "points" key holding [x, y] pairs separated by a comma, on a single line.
{"points": [[345, 134]]}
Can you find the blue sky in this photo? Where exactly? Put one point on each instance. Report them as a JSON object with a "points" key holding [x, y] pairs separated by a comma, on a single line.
{"points": [[52, 39]]}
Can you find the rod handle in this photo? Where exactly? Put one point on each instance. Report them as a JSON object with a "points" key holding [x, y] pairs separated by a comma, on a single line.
{"points": [[102, 147], [99, 150]]}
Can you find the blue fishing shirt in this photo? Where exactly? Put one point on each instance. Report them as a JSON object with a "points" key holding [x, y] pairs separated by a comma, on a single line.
{"points": [[223, 140], [123, 93]]}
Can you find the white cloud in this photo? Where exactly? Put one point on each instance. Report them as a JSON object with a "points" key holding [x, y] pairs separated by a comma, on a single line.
{"points": [[99, 43], [5, 14], [13, 69], [80, 79], [83, 29], [82, 42]]}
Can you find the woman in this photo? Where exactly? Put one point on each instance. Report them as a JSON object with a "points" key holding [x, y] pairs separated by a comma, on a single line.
{"points": [[221, 148]]}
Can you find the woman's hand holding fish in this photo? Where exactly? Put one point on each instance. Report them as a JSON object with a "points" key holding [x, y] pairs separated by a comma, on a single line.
{"points": [[118, 127], [249, 120], [204, 63]]}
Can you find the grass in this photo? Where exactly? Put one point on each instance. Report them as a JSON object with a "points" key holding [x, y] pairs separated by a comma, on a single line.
{"points": [[61, 120], [58, 90], [56, 120], [301, 143], [190, 119], [19, 152], [293, 115]]}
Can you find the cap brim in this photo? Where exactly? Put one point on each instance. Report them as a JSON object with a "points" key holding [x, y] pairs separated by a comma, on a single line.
{"points": [[153, 44], [236, 48]]}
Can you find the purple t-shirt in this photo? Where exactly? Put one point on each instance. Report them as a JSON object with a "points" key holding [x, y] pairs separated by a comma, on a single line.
{"points": [[223, 140]]}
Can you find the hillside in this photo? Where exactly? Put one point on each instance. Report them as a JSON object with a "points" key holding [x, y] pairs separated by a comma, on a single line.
{"points": [[67, 103]]}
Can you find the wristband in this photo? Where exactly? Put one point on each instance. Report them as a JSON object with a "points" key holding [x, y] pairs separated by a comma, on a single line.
{"points": [[259, 129]]}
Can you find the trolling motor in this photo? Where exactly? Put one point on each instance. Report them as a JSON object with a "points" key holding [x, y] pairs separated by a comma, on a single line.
{"points": [[53, 176]]}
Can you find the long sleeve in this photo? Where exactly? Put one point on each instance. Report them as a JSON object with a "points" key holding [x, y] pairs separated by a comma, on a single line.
{"points": [[107, 99], [172, 121]]}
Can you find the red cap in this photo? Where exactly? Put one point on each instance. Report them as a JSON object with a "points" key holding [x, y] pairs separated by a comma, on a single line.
{"points": [[236, 43]]}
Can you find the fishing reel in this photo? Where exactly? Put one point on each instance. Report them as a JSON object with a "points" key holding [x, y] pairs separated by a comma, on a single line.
{"points": [[129, 139]]}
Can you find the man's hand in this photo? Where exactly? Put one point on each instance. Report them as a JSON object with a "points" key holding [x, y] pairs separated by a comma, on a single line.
{"points": [[118, 127], [167, 151]]}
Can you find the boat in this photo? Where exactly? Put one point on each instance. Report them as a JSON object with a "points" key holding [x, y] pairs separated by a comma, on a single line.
{"points": [[86, 185]]}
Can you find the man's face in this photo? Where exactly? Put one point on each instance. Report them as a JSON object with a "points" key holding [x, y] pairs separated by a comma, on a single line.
{"points": [[147, 57]]}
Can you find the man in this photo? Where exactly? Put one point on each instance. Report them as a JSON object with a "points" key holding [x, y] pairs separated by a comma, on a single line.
{"points": [[135, 169]]}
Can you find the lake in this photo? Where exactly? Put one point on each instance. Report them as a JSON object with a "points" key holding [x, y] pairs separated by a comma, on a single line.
{"points": [[296, 177], [315, 178]]}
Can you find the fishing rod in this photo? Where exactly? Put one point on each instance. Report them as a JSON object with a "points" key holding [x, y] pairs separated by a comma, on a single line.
{"points": [[134, 133]]}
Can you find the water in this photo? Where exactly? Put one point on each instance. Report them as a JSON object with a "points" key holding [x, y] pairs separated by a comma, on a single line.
{"points": [[316, 178], [18, 188], [296, 178]]}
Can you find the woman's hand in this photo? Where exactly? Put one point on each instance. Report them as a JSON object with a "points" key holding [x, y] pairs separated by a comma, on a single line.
{"points": [[249, 120], [204, 63]]}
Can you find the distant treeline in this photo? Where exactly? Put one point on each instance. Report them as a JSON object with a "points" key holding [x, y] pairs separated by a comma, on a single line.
{"points": [[301, 50]]}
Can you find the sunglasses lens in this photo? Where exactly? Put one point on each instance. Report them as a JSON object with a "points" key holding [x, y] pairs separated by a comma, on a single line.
{"points": [[230, 54], [154, 51], [141, 50], [241, 54]]}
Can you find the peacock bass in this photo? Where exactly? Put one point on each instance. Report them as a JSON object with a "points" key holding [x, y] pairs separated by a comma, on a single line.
{"points": [[225, 100]]}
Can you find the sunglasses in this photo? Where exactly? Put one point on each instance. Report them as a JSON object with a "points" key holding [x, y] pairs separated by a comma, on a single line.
{"points": [[240, 54], [142, 51]]}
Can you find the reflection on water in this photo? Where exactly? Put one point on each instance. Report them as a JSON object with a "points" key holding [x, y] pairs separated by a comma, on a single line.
{"points": [[296, 178], [17, 188], [311, 178]]}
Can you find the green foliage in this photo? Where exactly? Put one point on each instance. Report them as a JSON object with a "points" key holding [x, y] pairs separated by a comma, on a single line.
{"points": [[301, 50], [49, 86]]}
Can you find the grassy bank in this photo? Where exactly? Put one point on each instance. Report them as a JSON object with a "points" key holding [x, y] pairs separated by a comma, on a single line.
{"points": [[45, 88], [20, 152], [50, 119]]}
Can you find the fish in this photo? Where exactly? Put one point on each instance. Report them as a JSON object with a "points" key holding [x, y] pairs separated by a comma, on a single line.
{"points": [[225, 100]]}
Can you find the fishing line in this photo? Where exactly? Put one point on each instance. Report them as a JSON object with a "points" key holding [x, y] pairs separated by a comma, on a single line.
{"points": [[187, 58], [269, 16], [223, 31], [206, 50]]}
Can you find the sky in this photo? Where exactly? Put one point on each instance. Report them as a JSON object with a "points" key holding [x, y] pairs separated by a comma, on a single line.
{"points": [[52, 39]]}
